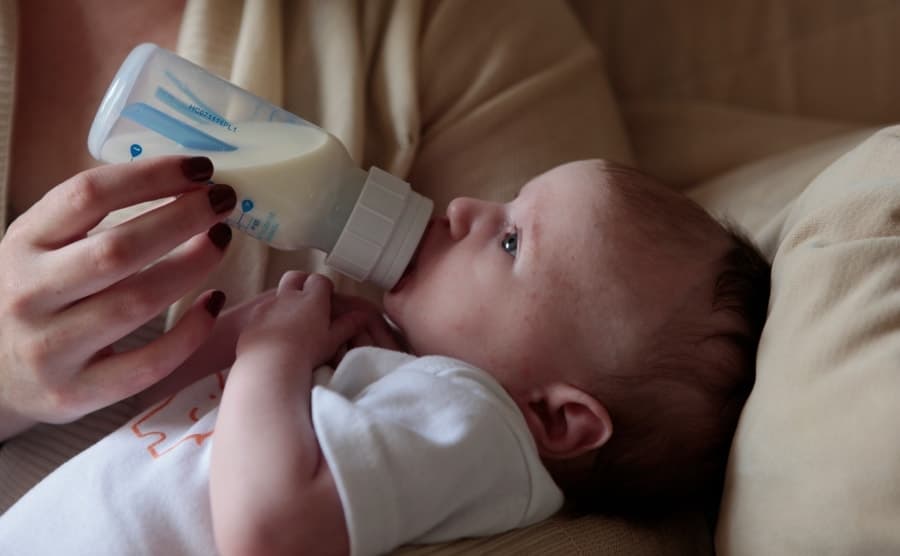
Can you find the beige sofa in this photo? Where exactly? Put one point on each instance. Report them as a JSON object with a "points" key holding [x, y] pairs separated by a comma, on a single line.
{"points": [[766, 112]]}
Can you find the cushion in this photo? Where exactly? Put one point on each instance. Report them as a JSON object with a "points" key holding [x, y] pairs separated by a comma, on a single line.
{"points": [[815, 464], [757, 196]]}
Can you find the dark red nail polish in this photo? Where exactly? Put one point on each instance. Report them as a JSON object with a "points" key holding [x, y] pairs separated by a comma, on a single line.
{"points": [[215, 303], [220, 235], [222, 198], [197, 168]]}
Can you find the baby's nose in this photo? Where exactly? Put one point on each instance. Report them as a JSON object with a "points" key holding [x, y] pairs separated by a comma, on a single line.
{"points": [[461, 212]]}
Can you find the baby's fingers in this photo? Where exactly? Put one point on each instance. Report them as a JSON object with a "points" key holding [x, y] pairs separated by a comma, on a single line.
{"points": [[381, 334], [292, 280], [362, 339], [318, 284], [346, 327]]}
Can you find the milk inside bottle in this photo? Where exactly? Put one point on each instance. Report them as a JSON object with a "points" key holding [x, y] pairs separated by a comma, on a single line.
{"points": [[296, 184]]}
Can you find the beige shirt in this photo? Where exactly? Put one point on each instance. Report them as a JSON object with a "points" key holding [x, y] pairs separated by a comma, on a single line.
{"points": [[460, 97]]}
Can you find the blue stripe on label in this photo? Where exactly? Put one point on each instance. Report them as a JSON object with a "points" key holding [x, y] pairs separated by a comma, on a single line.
{"points": [[167, 126]]}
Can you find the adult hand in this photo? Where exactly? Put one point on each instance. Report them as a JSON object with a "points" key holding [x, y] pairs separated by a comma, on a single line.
{"points": [[67, 295]]}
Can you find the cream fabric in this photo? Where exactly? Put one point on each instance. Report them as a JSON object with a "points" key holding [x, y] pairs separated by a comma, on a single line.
{"points": [[815, 467], [707, 85], [684, 142], [813, 58], [758, 196]]}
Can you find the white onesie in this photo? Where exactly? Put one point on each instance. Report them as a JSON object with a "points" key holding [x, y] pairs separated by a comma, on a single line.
{"points": [[422, 449]]}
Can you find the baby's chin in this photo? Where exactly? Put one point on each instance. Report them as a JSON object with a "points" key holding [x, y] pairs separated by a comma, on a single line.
{"points": [[389, 303]]}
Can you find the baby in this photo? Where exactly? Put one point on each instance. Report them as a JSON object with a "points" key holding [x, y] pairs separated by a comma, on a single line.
{"points": [[594, 338], [617, 314]]}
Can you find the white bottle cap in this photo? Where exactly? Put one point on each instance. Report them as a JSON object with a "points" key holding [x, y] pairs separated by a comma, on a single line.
{"points": [[382, 232]]}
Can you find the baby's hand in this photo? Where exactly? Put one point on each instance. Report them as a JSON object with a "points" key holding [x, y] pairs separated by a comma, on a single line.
{"points": [[376, 331], [296, 327]]}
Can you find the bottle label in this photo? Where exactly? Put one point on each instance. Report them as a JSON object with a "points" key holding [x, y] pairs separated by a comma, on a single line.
{"points": [[257, 223]]}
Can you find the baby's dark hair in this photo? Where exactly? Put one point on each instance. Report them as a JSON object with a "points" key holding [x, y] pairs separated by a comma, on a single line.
{"points": [[676, 407]]}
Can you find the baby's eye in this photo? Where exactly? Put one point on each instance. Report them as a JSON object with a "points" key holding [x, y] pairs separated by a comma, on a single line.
{"points": [[510, 242]]}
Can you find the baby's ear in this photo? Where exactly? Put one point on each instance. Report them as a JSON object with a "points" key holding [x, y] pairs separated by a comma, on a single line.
{"points": [[565, 421]]}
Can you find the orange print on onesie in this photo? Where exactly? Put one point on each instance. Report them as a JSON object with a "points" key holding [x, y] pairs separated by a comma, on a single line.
{"points": [[172, 422]]}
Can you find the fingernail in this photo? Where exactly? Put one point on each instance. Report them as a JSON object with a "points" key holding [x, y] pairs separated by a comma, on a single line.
{"points": [[222, 198], [220, 235], [197, 168], [215, 303]]}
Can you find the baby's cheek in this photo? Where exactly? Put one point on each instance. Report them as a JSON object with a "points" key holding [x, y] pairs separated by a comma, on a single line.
{"points": [[474, 320]]}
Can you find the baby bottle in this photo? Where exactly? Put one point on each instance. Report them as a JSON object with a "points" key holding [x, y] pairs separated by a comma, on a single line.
{"points": [[296, 185]]}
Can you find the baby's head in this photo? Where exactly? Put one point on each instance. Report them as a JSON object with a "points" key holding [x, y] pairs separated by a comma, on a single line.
{"points": [[621, 318]]}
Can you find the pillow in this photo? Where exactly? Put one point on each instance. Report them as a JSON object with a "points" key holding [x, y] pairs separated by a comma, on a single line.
{"points": [[815, 464], [758, 195]]}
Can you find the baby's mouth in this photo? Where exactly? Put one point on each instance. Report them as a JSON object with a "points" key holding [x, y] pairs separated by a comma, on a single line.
{"points": [[410, 268]]}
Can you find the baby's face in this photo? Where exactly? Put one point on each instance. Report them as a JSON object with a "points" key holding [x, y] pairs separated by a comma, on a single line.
{"points": [[524, 289]]}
